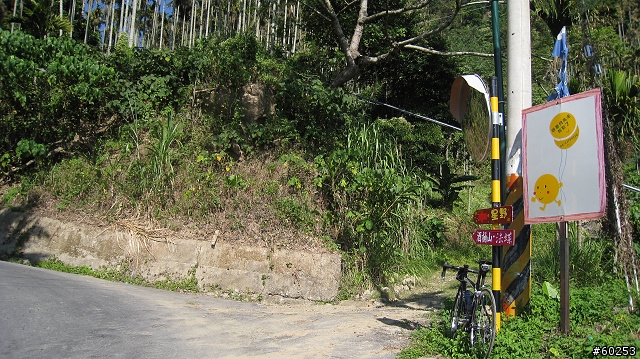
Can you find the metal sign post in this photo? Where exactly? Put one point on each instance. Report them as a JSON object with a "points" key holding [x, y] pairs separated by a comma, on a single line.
{"points": [[564, 277]]}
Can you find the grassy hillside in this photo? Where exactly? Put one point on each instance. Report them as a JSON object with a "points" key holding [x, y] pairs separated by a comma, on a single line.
{"points": [[177, 140]]}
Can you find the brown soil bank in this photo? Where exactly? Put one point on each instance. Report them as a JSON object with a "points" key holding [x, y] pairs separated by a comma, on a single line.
{"points": [[219, 265]]}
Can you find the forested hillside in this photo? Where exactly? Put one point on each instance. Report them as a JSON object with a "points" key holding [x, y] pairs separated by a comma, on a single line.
{"points": [[269, 121]]}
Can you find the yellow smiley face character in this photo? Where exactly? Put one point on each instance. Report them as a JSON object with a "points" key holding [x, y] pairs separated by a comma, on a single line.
{"points": [[546, 190]]}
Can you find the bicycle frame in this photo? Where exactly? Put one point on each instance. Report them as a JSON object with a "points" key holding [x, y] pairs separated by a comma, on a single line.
{"points": [[477, 317]]}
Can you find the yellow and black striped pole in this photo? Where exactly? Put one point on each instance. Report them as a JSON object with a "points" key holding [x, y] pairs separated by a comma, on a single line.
{"points": [[496, 199], [516, 260]]}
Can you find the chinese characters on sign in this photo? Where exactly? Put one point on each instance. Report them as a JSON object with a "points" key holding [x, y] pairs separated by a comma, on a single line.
{"points": [[494, 237], [495, 215]]}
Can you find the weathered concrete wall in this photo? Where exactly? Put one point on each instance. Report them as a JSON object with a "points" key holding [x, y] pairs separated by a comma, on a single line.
{"points": [[221, 265]]}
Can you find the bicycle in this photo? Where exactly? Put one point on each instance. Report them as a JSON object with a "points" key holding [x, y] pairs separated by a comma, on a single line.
{"points": [[474, 309]]}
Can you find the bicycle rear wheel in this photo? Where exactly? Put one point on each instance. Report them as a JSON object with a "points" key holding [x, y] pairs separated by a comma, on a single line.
{"points": [[483, 328], [457, 312]]}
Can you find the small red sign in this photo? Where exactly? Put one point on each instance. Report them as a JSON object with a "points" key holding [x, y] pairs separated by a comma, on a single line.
{"points": [[495, 237], [495, 215]]}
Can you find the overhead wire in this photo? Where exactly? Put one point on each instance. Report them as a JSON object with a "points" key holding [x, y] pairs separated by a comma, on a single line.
{"points": [[361, 98]]}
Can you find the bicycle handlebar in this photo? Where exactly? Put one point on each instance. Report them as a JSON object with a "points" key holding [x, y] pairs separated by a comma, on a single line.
{"points": [[465, 268]]}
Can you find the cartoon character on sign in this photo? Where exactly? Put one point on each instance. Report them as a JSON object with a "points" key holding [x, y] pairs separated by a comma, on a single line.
{"points": [[546, 190], [565, 132]]}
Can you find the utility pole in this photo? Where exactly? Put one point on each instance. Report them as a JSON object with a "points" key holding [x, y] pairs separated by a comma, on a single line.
{"points": [[498, 151], [516, 276]]}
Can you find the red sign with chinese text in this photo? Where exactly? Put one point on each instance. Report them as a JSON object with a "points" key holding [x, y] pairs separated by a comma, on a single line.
{"points": [[495, 215], [495, 237]]}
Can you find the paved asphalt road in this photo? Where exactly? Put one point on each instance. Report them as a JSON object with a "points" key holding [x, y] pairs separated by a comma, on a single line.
{"points": [[48, 314]]}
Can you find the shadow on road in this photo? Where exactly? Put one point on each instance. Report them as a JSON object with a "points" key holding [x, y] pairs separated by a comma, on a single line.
{"points": [[403, 323]]}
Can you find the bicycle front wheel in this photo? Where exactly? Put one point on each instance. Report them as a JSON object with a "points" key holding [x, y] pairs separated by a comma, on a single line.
{"points": [[457, 312], [483, 327]]}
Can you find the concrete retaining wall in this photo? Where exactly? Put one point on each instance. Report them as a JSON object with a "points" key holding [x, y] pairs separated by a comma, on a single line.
{"points": [[218, 264]]}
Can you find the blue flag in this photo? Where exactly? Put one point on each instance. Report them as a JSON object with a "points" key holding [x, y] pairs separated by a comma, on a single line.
{"points": [[561, 49]]}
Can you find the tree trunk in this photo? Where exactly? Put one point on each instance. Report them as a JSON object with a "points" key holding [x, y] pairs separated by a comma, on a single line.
{"points": [[162, 15], [86, 30], [175, 27], [267, 39], [617, 215], [202, 6], [239, 26], [192, 23], [106, 29], [15, 8], [184, 20], [154, 24], [111, 24], [132, 34], [72, 15], [256, 20], [122, 11], [226, 18], [285, 35], [276, 12], [206, 27], [60, 13], [295, 28]]}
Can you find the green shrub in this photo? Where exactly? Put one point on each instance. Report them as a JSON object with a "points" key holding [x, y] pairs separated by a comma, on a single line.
{"points": [[73, 180]]}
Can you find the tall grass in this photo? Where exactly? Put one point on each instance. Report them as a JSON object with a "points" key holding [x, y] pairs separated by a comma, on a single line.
{"points": [[378, 204], [161, 177], [589, 257]]}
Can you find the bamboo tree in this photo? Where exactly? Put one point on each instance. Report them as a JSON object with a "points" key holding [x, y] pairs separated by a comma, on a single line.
{"points": [[269, 27], [176, 15], [162, 15], [284, 26], [72, 15], [122, 10], [198, 24], [226, 18], [86, 30], [192, 22], [108, 21], [256, 20], [61, 14], [113, 10], [295, 28], [15, 8], [206, 32], [184, 20], [132, 33], [154, 24]]}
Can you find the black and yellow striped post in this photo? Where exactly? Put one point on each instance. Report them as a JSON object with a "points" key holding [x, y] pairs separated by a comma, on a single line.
{"points": [[516, 260], [496, 201]]}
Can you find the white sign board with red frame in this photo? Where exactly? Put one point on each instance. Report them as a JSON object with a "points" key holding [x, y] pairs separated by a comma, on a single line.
{"points": [[563, 159]]}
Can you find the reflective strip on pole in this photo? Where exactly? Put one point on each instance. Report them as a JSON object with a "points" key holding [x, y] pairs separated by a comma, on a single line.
{"points": [[496, 122]]}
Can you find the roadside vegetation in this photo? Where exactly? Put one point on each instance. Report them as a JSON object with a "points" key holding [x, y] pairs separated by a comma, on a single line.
{"points": [[599, 308], [165, 138], [125, 275]]}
